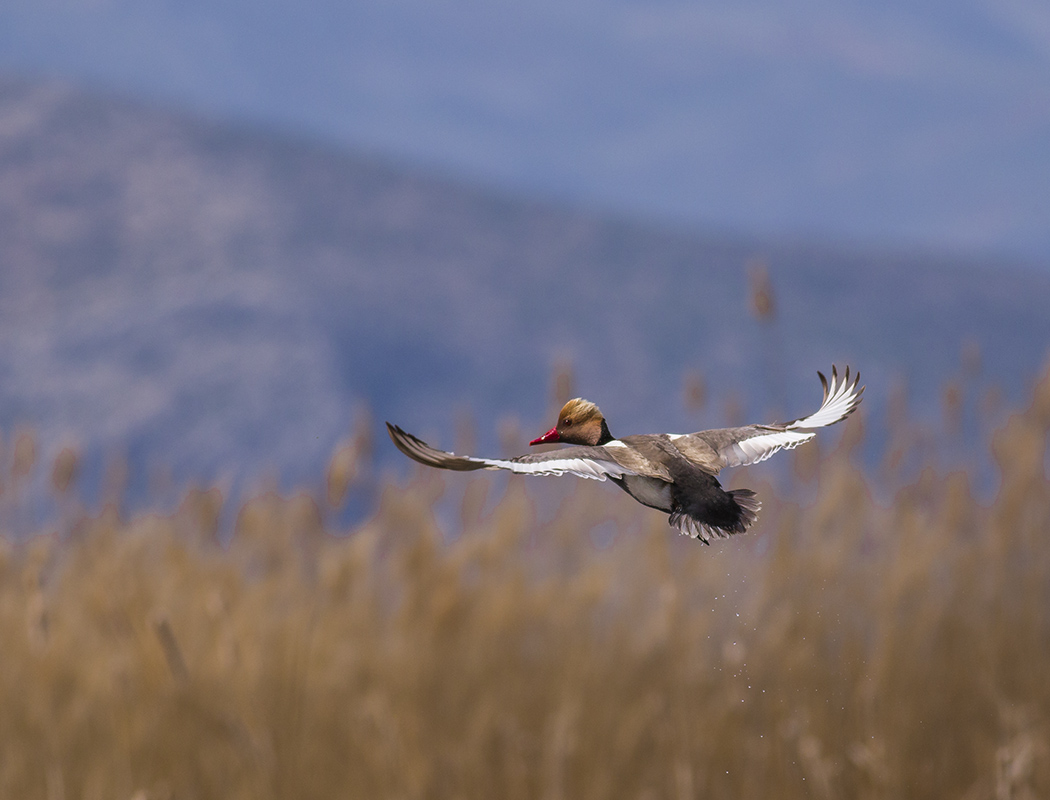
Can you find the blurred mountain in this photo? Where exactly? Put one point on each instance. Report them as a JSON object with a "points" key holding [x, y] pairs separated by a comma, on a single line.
{"points": [[900, 121], [220, 300]]}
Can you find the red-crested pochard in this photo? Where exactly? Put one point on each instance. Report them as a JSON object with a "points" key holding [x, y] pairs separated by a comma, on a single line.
{"points": [[672, 472]]}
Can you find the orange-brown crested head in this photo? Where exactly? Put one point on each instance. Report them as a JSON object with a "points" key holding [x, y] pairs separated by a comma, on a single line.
{"points": [[579, 422]]}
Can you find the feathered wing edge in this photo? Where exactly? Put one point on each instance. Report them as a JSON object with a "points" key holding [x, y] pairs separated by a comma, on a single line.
{"points": [[572, 460], [418, 450], [840, 400]]}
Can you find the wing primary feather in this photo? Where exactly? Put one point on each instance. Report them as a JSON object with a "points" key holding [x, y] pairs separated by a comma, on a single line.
{"points": [[418, 450], [841, 398]]}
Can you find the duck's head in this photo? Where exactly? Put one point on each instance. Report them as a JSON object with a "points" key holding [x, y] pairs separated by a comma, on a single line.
{"points": [[579, 422]]}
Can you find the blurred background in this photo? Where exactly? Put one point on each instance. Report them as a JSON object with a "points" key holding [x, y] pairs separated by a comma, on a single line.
{"points": [[228, 228], [236, 237]]}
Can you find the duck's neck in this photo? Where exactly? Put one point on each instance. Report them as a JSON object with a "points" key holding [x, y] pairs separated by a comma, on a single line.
{"points": [[606, 437]]}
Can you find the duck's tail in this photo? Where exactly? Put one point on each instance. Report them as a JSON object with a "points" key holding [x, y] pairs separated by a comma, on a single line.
{"points": [[745, 504]]}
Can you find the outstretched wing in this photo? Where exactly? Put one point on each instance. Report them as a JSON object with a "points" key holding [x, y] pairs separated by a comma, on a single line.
{"points": [[595, 463], [737, 447]]}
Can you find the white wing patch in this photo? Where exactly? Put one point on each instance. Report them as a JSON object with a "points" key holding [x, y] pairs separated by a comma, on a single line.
{"points": [[582, 467], [759, 448]]}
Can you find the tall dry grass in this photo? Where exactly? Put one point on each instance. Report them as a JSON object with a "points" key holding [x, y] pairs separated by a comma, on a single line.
{"points": [[559, 642]]}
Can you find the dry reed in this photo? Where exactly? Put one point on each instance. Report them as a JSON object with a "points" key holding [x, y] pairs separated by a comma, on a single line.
{"points": [[558, 643]]}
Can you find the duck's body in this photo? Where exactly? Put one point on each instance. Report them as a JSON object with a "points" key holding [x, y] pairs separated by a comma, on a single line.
{"points": [[671, 472]]}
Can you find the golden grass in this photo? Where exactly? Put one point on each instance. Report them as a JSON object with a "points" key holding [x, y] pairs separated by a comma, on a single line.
{"points": [[845, 648]]}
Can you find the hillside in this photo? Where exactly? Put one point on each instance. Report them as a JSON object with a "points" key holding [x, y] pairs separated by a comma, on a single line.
{"points": [[220, 300], [887, 122]]}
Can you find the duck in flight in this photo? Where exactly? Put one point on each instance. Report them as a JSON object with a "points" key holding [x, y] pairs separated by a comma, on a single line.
{"points": [[672, 472]]}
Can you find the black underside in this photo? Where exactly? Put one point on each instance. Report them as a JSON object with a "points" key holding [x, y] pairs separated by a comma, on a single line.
{"points": [[699, 495], [695, 492]]}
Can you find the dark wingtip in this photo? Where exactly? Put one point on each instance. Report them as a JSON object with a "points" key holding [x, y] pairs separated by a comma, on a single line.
{"points": [[855, 387], [418, 450], [398, 436], [854, 384]]}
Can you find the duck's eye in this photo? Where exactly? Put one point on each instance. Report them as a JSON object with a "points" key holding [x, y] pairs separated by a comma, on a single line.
{"points": [[568, 423]]}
